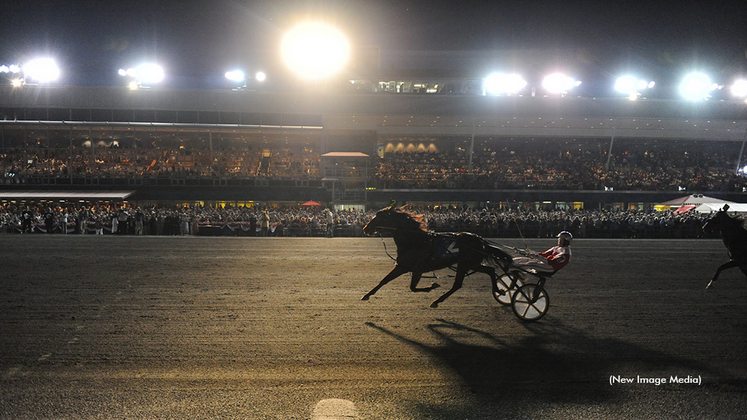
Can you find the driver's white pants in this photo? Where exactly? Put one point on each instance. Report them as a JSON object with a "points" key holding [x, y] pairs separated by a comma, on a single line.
{"points": [[536, 263]]}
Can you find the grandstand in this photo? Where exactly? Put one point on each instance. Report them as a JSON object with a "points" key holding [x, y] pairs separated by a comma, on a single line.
{"points": [[356, 148]]}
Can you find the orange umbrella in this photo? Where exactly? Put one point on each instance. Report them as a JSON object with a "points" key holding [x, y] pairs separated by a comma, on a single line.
{"points": [[311, 204]]}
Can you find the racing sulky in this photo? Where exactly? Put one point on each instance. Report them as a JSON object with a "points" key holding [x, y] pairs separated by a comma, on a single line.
{"points": [[734, 235], [421, 251]]}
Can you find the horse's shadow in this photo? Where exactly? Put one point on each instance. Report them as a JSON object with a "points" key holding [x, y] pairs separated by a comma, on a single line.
{"points": [[553, 364]]}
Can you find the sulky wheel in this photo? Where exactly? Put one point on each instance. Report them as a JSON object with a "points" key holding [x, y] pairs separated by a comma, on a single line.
{"points": [[530, 302], [503, 290]]}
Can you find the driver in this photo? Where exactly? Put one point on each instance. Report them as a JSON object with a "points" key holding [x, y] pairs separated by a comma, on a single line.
{"points": [[551, 260]]}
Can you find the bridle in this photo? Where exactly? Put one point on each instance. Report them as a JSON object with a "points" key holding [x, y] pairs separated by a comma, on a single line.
{"points": [[378, 234]]}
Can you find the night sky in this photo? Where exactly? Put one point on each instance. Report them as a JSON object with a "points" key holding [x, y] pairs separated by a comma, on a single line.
{"points": [[196, 41]]}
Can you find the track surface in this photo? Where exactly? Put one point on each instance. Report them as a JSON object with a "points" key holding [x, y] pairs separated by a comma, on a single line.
{"points": [[255, 328]]}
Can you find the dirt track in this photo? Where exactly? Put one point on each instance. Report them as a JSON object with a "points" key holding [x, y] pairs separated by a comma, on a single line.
{"points": [[199, 327]]}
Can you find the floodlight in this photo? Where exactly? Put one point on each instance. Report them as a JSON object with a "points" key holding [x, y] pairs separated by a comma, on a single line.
{"points": [[13, 68], [315, 51], [696, 86], [149, 73], [631, 86], [500, 83], [146, 73], [626, 84], [235, 75], [739, 88], [42, 70], [16, 82], [559, 83], [260, 76]]}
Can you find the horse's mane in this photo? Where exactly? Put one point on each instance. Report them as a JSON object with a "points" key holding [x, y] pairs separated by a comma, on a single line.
{"points": [[411, 219]]}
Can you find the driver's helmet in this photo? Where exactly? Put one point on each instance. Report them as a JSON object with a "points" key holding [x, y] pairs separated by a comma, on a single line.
{"points": [[566, 235]]}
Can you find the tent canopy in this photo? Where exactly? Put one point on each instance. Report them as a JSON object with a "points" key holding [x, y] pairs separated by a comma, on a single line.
{"points": [[693, 199], [714, 207], [685, 209], [311, 204]]}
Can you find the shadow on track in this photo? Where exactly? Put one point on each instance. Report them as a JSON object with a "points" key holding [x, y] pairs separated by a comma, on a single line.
{"points": [[553, 365]]}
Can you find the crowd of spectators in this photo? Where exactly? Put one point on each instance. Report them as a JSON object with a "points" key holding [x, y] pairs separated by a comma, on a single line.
{"points": [[114, 159], [317, 221], [559, 164], [569, 165]]}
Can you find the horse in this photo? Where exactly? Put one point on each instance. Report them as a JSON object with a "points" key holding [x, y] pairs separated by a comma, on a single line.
{"points": [[420, 251], [734, 235]]}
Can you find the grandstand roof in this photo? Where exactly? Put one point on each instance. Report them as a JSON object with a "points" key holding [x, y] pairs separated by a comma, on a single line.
{"points": [[386, 115], [65, 195]]}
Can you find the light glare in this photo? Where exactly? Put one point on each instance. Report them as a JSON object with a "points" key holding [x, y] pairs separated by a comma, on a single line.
{"points": [[499, 83], [235, 75], [631, 86], [315, 51], [739, 88], [696, 86], [146, 73], [149, 73], [42, 70], [626, 84], [559, 83]]}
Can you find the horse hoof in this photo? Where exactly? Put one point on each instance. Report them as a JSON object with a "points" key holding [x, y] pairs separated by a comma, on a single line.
{"points": [[365, 297], [434, 305], [435, 286]]}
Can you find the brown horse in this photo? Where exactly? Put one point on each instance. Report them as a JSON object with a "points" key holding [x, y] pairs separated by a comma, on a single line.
{"points": [[420, 251], [734, 235]]}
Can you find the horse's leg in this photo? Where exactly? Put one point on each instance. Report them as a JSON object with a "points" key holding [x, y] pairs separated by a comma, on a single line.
{"points": [[458, 280], [487, 270], [396, 272], [730, 264], [416, 279]]}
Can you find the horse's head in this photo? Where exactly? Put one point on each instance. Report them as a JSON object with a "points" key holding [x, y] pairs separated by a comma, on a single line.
{"points": [[390, 219], [721, 221]]}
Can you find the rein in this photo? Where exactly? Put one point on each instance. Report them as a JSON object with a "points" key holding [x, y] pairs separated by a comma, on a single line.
{"points": [[386, 251]]}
